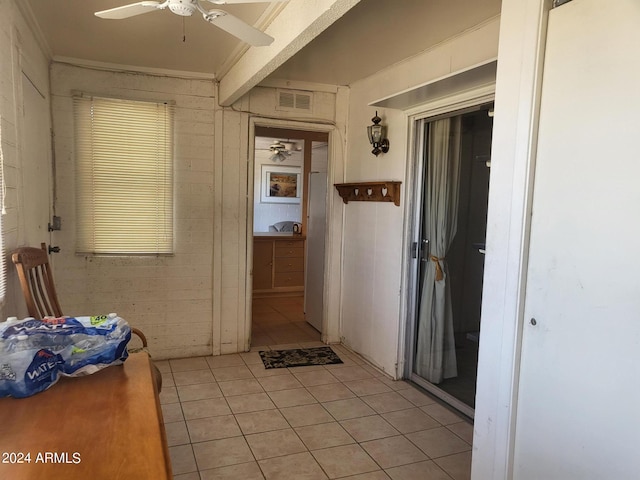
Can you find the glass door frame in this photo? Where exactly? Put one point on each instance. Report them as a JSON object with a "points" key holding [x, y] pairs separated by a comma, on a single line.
{"points": [[415, 190]]}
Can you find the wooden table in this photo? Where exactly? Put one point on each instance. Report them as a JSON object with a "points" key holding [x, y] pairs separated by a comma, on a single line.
{"points": [[103, 426]]}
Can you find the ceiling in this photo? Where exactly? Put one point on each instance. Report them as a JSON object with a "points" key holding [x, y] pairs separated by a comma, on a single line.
{"points": [[369, 37], [151, 40], [377, 33]]}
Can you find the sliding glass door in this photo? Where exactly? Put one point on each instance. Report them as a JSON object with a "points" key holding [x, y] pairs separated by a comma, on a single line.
{"points": [[449, 229]]}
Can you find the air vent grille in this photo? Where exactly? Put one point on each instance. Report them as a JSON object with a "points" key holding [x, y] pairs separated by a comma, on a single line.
{"points": [[289, 101], [303, 102]]}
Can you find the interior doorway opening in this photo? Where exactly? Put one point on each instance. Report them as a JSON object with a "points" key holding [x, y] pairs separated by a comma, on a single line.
{"points": [[452, 188], [289, 222]]}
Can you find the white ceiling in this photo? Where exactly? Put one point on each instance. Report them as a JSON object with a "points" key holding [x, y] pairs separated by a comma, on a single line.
{"points": [[371, 36], [151, 40], [377, 33]]}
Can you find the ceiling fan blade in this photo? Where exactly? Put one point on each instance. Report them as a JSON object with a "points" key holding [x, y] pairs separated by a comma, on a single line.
{"points": [[127, 11], [231, 2], [238, 28]]}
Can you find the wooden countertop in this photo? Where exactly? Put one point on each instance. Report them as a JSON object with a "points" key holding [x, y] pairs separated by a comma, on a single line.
{"points": [[278, 235], [102, 426]]}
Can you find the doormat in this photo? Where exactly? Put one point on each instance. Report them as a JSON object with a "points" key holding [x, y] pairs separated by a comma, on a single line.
{"points": [[299, 357]]}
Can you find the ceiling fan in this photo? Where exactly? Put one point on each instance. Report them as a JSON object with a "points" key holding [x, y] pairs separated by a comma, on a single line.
{"points": [[186, 8], [279, 151]]}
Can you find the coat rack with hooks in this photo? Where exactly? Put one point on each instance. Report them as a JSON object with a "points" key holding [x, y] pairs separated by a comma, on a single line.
{"points": [[388, 191]]}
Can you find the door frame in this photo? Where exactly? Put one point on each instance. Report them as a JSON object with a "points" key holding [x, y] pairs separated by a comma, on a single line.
{"points": [[521, 48], [415, 165], [333, 232]]}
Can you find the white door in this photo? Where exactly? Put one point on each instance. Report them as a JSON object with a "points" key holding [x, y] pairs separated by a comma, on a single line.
{"points": [[579, 384], [314, 271]]}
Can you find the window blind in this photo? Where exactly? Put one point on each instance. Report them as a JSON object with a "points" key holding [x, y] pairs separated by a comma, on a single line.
{"points": [[124, 176]]}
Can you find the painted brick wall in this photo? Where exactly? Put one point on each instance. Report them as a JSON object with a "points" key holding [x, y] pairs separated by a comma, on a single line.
{"points": [[22, 64], [195, 302], [169, 298]]}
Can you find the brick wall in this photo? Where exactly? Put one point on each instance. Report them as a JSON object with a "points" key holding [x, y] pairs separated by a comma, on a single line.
{"points": [[169, 298], [23, 72]]}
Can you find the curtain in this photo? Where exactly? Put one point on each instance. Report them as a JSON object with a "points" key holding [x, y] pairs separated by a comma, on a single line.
{"points": [[435, 349]]}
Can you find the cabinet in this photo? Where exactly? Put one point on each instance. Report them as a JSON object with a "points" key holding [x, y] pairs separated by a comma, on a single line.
{"points": [[278, 264]]}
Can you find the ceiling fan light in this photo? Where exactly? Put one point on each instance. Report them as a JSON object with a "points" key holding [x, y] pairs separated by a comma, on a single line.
{"points": [[278, 156], [184, 8]]}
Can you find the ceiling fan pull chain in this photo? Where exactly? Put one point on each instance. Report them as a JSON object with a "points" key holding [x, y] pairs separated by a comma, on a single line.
{"points": [[184, 32]]}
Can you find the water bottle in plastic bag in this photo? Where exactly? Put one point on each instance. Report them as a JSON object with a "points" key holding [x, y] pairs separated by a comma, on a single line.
{"points": [[35, 353]]}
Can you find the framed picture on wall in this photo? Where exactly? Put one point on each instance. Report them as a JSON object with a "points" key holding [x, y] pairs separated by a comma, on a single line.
{"points": [[281, 184]]}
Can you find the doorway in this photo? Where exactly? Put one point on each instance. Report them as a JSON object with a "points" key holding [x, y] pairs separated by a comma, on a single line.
{"points": [[289, 219], [450, 220]]}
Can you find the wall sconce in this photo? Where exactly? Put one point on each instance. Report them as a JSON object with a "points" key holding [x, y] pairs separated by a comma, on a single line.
{"points": [[376, 136]]}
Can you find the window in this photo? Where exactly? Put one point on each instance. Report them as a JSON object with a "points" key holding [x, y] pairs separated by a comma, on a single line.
{"points": [[124, 176]]}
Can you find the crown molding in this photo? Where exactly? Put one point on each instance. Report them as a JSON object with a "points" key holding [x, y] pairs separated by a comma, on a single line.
{"points": [[30, 19], [115, 67]]}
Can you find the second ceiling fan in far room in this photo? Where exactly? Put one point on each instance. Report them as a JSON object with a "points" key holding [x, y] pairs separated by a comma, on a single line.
{"points": [[185, 8]]}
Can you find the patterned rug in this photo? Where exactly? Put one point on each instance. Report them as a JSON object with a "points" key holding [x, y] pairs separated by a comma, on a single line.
{"points": [[299, 357]]}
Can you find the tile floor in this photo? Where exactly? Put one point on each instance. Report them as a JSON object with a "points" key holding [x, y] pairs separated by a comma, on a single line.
{"points": [[278, 320], [227, 417]]}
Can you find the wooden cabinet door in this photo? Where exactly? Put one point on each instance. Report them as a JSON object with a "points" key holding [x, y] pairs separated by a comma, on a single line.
{"points": [[289, 263], [262, 265]]}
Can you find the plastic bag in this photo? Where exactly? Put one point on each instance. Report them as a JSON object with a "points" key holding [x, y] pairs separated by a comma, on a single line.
{"points": [[35, 353]]}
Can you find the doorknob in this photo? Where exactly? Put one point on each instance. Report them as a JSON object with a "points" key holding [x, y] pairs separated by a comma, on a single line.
{"points": [[55, 249]]}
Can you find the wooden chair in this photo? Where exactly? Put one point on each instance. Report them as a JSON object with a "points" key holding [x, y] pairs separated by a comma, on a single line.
{"points": [[39, 290]]}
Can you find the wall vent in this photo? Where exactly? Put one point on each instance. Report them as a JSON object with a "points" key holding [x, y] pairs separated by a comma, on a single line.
{"points": [[292, 101]]}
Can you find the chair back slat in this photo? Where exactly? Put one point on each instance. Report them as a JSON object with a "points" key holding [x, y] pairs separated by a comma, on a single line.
{"points": [[36, 281], [50, 301], [37, 290]]}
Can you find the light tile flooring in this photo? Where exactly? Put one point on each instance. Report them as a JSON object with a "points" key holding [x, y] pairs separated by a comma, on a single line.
{"points": [[278, 320], [227, 417]]}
